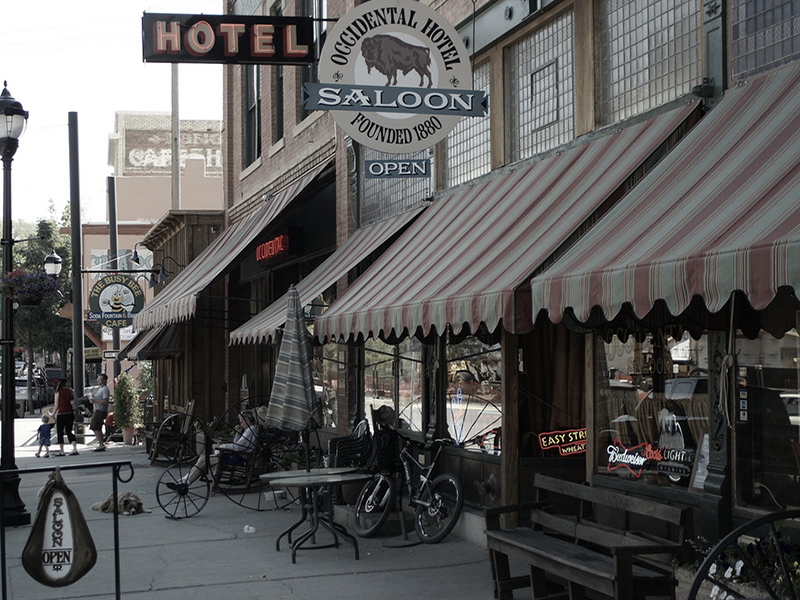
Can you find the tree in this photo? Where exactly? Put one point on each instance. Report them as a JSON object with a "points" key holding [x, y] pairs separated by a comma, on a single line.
{"points": [[40, 328]]}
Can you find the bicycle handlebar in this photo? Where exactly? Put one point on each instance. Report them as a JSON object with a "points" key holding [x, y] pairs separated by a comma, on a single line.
{"points": [[426, 445]]}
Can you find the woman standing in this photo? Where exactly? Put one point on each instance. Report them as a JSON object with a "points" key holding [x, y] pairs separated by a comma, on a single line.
{"points": [[65, 417]]}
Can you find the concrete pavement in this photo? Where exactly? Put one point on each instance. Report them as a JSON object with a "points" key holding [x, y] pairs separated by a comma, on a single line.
{"points": [[209, 556]]}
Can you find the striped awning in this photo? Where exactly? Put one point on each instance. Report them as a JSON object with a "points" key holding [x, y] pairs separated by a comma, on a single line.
{"points": [[720, 213], [178, 301], [263, 326], [468, 258], [160, 342]]}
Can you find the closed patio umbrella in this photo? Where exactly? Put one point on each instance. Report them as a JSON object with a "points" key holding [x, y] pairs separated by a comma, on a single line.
{"points": [[293, 404]]}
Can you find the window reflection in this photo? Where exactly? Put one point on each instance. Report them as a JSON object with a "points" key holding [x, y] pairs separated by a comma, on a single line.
{"points": [[473, 395], [652, 407], [393, 378]]}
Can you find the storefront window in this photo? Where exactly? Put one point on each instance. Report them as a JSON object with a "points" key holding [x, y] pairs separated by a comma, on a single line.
{"points": [[473, 395], [652, 408], [767, 421], [393, 378], [329, 380]]}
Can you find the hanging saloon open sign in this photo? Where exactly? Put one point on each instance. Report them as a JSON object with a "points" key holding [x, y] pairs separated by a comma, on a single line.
{"points": [[395, 76], [227, 39]]}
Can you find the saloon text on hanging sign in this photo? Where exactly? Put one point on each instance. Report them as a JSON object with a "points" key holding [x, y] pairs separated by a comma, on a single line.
{"points": [[227, 39]]}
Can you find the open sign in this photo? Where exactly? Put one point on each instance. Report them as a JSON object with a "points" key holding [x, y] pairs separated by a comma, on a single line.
{"points": [[377, 169]]}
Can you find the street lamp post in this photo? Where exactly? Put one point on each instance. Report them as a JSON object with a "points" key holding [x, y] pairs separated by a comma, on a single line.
{"points": [[13, 119]]}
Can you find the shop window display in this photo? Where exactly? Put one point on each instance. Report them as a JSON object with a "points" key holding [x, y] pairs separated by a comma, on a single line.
{"points": [[329, 380], [473, 395], [393, 378], [652, 408], [766, 421]]}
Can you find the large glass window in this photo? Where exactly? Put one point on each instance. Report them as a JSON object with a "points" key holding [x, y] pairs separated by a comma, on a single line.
{"points": [[467, 148], [473, 404], [766, 34], [652, 408], [766, 417], [330, 377], [386, 197], [540, 100], [648, 52], [393, 377]]}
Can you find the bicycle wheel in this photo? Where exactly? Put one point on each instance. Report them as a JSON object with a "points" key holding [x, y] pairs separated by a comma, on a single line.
{"points": [[438, 513], [757, 560], [179, 438], [373, 506], [181, 500]]}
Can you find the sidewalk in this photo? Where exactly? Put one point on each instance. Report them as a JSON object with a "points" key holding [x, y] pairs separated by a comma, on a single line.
{"points": [[210, 557]]}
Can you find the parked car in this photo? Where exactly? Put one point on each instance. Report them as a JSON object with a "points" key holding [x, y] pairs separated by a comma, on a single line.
{"points": [[21, 394]]}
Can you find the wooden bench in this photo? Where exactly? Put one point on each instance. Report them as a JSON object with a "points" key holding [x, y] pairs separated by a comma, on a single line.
{"points": [[577, 554]]}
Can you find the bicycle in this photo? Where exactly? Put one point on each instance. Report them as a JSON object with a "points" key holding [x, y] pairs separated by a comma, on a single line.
{"points": [[437, 501], [236, 475]]}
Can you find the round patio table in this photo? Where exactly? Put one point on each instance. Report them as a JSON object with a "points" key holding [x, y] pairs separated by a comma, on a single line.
{"points": [[311, 485]]}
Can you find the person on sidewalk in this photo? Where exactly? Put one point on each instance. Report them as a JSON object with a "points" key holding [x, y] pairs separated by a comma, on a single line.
{"points": [[65, 417], [234, 453], [45, 432], [99, 399]]}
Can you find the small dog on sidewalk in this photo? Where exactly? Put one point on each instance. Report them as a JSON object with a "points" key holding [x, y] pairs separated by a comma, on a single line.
{"points": [[128, 503]]}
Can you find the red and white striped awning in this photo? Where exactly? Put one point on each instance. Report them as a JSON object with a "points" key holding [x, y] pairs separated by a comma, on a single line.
{"points": [[720, 213], [469, 257], [263, 326], [178, 301], [160, 342]]}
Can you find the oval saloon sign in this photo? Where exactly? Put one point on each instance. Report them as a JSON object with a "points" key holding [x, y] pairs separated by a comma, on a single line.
{"points": [[396, 75]]}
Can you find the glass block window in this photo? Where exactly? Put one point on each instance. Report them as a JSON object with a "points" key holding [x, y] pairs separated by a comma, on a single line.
{"points": [[467, 149], [383, 198], [647, 53], [540, 101], [766, 34]]}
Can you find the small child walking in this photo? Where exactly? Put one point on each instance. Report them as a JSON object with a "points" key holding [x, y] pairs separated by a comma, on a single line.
{"points": [[45, 431]]}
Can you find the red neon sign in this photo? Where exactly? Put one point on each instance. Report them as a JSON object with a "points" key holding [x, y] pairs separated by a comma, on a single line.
{"points": [[274, 247]]}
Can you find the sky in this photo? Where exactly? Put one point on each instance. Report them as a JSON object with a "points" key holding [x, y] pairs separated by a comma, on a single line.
{"points": [[85, 57]]}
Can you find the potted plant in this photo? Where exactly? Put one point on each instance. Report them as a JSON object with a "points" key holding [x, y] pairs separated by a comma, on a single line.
{"points": [[127, 411], [27, 287]]}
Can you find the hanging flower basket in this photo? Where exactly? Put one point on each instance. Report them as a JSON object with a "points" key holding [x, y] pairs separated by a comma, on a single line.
{"points": [[27, 287]]}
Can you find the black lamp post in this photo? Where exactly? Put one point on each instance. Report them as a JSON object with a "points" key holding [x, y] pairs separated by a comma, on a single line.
{"points": [[13, 119]]}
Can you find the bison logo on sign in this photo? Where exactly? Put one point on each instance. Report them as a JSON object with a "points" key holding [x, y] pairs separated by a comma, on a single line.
{"points": [[390, 55]]}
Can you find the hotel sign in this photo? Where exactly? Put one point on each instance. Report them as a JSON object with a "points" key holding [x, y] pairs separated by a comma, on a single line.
{"points": [[227, 39], [396, 76]]}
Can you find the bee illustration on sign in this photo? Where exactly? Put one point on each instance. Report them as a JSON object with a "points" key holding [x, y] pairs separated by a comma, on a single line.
{"points": [[116, 299]]}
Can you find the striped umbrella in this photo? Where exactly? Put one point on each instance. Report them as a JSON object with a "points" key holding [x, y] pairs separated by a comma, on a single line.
{"points": [[293, 403]]}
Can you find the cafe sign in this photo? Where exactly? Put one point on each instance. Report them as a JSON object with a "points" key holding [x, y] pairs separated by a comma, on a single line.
{"points": [[396, 76], [114, 300]]}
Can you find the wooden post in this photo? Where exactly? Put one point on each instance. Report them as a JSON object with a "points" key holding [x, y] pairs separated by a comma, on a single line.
{"points": [[509, 392], [589, 386]]}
